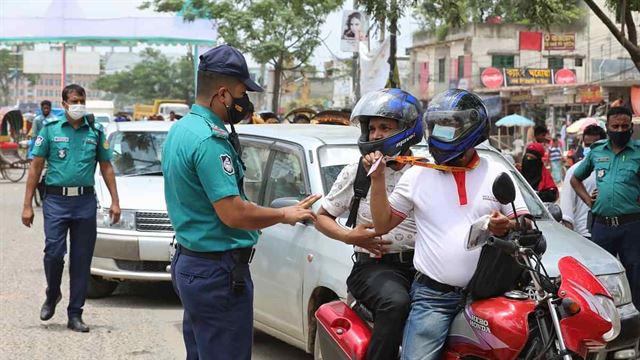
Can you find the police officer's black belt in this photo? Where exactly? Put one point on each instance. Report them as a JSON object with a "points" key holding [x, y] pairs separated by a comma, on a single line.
{"points": [[616, 220], [69, 191], [243, 255], [435, 285], [404, 257]]}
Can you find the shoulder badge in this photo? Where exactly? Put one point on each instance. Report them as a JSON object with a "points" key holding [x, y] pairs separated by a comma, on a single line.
{"points": [[39, 141], [105, 144], [227, 164]]}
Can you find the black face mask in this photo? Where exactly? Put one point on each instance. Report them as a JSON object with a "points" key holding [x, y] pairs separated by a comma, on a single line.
{"points": [[239, 110], [620, 138]]}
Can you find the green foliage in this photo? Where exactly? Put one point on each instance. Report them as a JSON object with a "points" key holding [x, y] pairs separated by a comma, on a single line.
{"points": [[153, 78], [456, 13], [10, 68]]}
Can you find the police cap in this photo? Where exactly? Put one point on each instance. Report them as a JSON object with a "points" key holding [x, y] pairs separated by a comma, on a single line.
{"points": [[227, 60]]}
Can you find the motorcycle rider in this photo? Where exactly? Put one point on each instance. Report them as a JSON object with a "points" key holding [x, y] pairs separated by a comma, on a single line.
{"points": [[446, 203], [390, 121]]}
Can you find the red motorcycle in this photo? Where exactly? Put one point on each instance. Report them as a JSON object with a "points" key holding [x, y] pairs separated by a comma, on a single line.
{"points": [[540, 318]]}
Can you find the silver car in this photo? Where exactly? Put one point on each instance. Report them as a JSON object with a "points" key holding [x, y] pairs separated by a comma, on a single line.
{"points": [[297, 269]]}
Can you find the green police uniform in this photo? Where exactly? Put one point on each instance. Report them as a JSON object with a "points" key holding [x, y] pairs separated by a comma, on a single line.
{"points": [[201, 167], [617, 178], [71, 153]]}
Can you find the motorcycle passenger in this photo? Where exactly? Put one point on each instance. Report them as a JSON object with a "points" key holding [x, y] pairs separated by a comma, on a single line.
{"points": [[391, 122], [445, 203]]}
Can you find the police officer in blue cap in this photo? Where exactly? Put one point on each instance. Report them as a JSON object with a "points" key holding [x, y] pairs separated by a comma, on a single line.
{"points": [[216, 226], [71, 146]]}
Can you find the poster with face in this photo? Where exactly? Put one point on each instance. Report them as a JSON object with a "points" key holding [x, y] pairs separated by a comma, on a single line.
{"points": [[354, 30]]}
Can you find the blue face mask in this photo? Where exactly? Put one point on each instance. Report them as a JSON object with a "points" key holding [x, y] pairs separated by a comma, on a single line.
{"points": [[586, 150]]}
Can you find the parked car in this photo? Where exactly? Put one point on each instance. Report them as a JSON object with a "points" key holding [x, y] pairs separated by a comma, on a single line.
{"points": [[296, 268]]}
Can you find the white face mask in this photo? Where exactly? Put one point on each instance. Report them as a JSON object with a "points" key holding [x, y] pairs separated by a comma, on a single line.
{"points": [[586, 150], [76, 111]]}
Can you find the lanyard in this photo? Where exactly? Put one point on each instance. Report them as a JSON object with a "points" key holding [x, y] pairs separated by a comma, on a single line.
{"points": [[422, 162]]}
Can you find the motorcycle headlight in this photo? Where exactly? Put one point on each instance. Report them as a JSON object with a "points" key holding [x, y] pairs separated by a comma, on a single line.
{"points": [[127, 220], [618, 287], [610, 313]]}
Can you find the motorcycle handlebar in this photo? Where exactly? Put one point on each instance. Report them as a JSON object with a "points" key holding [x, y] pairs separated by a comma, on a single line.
{"points": [[504, 245]]}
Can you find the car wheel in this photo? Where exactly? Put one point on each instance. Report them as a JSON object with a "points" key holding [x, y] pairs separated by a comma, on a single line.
{"points": [[317, 353], [99, 287]]}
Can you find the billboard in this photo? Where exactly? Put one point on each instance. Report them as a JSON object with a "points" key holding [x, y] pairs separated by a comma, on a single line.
{"points": [[559, 41], [355, 28], [50, 62]]}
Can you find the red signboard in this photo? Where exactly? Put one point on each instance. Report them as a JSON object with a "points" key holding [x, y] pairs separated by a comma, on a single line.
{"points": [[565, 76], [492, 77], [590, 94]]}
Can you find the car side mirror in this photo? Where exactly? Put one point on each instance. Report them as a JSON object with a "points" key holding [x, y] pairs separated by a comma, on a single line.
{"points": [[555, 210], [287, 201], [503, 189]]}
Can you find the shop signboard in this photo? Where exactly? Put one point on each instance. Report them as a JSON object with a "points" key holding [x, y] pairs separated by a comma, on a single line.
{"points": [[529, 76], [590, 95], [566, 41], [492, 77], [565, 76]]}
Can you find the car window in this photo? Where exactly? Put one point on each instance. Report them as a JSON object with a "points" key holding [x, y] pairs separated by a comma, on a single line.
{"points": [[137, 153], [286, 178], [255, 157]]}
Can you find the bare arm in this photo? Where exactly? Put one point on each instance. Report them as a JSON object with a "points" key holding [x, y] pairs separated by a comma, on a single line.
{"points": [[35, 170], [383, 218], [362, 235], [106, 169], [237, 213], [578, 186]]}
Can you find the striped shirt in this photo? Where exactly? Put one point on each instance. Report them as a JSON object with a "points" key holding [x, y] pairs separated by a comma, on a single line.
{"points": [[555, 154]]}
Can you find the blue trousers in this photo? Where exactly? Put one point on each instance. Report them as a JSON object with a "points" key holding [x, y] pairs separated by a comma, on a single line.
{"points": [[622, 241], [217, 323], [75, 216]]}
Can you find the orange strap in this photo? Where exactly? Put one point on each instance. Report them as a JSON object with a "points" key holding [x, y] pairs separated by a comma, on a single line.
{"points": [[422, 162]]}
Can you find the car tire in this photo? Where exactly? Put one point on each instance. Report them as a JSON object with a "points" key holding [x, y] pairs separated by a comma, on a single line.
{"points": [[317, 353], [99, 287]]}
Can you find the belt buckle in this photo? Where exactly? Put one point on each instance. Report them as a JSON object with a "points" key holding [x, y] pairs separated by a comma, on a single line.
{"points": [[401, 257], [72, 191], [613, 221]]}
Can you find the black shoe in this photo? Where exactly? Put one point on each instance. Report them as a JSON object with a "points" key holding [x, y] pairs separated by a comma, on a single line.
{"points": [[48, 309], [76, 324]]}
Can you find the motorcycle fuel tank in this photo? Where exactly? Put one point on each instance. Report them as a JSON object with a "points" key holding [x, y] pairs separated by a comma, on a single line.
{"points": [[342, 334], [495, 328]]}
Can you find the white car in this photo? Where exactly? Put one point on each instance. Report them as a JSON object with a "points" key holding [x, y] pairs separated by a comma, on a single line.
{"points": [[297, 269]]}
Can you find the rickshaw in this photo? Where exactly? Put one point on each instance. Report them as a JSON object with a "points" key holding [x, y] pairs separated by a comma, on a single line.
{"points": [[332, 117], [291, 115], [13, 166]]}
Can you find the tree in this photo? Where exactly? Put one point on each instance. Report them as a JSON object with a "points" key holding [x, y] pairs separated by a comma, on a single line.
{"points": [[283, 33], [10, 70], [153, 78], [627, 36]]}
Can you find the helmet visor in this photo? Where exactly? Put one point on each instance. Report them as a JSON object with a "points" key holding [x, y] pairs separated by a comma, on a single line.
{"points": [[449, 126]]}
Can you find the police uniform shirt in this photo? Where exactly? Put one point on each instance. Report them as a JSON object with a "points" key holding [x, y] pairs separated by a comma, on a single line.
{"points": [[617, 178], [200, 167], [71, 153]]}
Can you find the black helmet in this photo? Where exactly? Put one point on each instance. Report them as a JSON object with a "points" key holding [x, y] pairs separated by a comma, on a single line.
{"points": [[393, 104], [457, 120]]}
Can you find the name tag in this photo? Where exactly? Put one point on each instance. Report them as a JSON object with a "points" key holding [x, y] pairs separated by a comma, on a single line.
{"points": [[603, 159], [91, 141], [61, 139]]}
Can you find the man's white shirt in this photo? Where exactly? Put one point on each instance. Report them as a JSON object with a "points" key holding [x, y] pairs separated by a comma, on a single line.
{"points": [[574, 210], [442, 223], [338, 202]]}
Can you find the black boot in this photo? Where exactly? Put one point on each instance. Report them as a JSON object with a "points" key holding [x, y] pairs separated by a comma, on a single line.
{"points": [[76, 324], [49, 308]]}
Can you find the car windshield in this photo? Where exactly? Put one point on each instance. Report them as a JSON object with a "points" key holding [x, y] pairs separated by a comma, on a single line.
{"points": [[102, 119], [137, 153], [334, 157]]}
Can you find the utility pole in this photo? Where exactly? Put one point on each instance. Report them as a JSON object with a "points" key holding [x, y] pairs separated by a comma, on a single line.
{"points": [[393, 46], [355, 65]]}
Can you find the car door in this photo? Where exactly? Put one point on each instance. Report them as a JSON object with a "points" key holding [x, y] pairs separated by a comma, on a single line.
{"points": [[278, 266]]}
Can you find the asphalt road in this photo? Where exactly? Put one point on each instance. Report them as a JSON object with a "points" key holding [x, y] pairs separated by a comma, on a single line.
{"points": [[140, 320]]}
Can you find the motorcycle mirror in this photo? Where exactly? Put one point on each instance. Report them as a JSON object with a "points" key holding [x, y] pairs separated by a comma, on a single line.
{"points": [[503, 189], [555, 210]]}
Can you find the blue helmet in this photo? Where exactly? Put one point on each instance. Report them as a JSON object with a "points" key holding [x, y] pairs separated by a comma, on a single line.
{"points": [[457, 120], [393, 104]]}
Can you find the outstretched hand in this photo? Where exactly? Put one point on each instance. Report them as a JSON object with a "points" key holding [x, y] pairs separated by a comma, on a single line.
{"points": [[301, 211]]}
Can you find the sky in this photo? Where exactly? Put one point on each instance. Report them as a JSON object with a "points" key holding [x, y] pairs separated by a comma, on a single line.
{"points": [[331, 29]]}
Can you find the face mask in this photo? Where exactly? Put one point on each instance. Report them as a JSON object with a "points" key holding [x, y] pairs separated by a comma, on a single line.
{"points": [[76, 111], [586, 150], [240, 108], [620, 138]]}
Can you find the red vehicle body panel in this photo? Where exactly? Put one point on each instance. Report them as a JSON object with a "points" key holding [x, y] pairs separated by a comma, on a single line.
{"points": [[339, 325]]}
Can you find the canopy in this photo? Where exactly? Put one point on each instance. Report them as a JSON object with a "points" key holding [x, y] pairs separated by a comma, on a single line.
{"points": [[579, 126], [58, 27], [514, 120]]}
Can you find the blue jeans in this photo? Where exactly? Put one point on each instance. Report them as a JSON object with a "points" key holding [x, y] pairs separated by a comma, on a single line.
{"points": [[556, 171], [428, 324]]}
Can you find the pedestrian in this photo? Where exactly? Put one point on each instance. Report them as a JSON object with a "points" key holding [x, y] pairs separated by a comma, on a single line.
{"points": [[38, 123], [216, 226], [556, 160], [71, 146], [446, 201], [575, 213], [537, 175], [616, 210], [391, 122], [172, 116]]}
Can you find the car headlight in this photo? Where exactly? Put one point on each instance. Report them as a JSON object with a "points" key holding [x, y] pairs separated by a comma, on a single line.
{"points": [[610, 313], [618, 287], [127, 220]]}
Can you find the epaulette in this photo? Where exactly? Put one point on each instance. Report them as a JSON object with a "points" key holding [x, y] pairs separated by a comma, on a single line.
{"points": [[219, 132], [52, 121]]}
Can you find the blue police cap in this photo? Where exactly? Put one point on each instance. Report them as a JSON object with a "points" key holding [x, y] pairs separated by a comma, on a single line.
{"points": [[227, 60]]}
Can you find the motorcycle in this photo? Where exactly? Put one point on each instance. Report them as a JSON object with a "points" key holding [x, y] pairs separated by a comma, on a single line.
{"points": [[536, 318]]}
